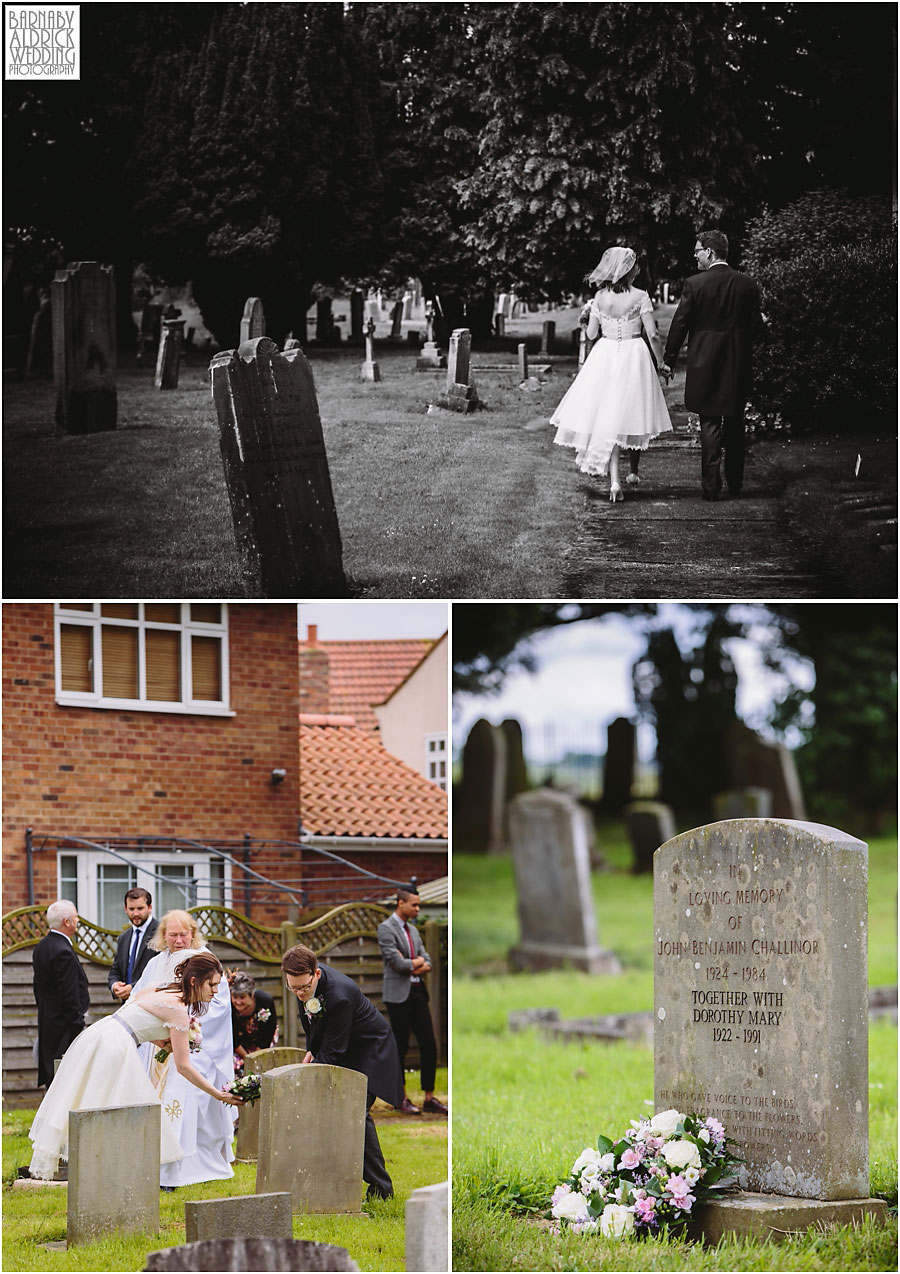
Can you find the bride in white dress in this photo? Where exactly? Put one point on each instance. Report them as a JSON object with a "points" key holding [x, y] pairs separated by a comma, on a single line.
{"points": [[615, 401], [101, 1067]]}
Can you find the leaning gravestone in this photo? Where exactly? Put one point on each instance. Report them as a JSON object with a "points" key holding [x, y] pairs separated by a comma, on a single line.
{"points": [[168, 360], [253, 320], [479, 801], [550, 837], [649, 824], [251, 1254], [276, 470], [83, 299], [101, 1195], [264, 1059], [459, 394], [761, 1012], [311, 1135]]}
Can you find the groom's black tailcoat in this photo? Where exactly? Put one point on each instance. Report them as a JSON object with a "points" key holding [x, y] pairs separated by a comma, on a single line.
{"points": [[63, 997], [719, 315]]}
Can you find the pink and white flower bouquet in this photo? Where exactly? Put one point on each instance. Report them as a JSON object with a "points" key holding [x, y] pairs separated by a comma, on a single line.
{"points": [[648, 1180]]}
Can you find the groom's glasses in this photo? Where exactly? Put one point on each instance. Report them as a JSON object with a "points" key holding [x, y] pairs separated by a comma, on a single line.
{"points": [[299, 989]]}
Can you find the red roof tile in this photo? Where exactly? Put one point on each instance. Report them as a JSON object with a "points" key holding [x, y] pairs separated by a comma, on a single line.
{"points": [[351, 786], [363, 673]]}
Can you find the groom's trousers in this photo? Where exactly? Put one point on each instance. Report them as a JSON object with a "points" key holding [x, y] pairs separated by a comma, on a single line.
{"points": [[716, 431], [375, 1173]]}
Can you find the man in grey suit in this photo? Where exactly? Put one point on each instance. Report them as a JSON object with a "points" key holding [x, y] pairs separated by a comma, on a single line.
{"points": [[405, 995]]}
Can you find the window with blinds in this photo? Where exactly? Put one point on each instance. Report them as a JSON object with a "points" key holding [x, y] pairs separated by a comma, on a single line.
{"points": [[160, 656]]}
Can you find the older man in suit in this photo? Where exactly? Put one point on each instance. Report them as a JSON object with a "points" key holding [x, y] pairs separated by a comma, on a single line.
{"points": [[60, 988], [719, 315], [405, 995], [343, 1028], [133, 951]]}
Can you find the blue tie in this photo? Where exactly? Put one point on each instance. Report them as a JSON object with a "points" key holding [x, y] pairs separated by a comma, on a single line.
{"points": [[135, 943]]}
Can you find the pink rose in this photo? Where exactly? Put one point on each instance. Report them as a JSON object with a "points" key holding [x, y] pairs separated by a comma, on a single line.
{"points": [[630, 1159]]}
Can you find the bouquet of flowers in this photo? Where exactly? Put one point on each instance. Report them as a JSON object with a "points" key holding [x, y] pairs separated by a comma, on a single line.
{"points": [[195, 1043], [247, 1086], [649, 1179]]}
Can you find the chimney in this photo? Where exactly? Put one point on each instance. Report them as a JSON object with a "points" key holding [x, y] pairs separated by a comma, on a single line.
{"points": [[314, 696], [312, 632]]}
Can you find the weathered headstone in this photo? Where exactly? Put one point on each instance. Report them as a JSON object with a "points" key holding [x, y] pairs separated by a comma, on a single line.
{"points": [[253, 320], [370, 369], [357, 301], [276, 470], [523, 361], [753, 762], [426, 1229], [323, 1110], [102, 1195], [396, 321], [239, 1217], [257, 1063], [40, 341], [745, 802], [168, 360], [324, 321], [760, 1004], [499, 323], [618, 765], [649, 824], [479, 801], [251, 1254], [431, 356], [548, 336], [459, 394], [83, 299], [516, 766], [550, 837]]}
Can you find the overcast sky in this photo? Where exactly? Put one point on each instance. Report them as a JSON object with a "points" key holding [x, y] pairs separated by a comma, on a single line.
{"points": [[355, 621]]}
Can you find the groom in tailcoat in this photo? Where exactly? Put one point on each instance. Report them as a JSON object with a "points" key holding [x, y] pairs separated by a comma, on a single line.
{"points": [[719, 315], [60, 988], [343, 1028]]}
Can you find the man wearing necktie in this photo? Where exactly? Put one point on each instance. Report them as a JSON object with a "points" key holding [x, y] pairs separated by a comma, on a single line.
{"points": [[405, 995], [132, 951]]}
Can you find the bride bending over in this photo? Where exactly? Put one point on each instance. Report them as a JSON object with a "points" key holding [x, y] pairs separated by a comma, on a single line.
{"points": [[101, 1067], [615, 401]]}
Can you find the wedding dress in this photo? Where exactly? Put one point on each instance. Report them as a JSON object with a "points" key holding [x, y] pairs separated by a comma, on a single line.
{"points": [[101, 1068], [615, 398]]}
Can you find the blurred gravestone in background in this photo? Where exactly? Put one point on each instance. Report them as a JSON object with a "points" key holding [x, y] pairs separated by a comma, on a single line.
{"points": [[84, 347], [479, 800], [618, 767]]}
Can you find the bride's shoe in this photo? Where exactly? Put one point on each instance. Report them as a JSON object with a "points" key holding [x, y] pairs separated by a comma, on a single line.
{"points": [[615, 492]]}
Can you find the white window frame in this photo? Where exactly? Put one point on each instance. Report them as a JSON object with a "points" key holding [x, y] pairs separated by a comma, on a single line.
{"points": [[187, 627], [146, 865], [432, 756]]}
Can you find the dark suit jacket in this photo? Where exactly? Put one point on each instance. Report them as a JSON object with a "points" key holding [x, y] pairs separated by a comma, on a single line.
{"points": [[63, 998], [144, 956], [719, 314], [351, 1032]]}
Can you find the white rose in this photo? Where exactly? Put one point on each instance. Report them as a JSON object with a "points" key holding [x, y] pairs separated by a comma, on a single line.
{"points": [[312, 1005], [616, 1221], [571, 1207], [608, 1162], [665, 1123], [691, 1175], [589, 1158], [704, 1134], [681, 1154]]}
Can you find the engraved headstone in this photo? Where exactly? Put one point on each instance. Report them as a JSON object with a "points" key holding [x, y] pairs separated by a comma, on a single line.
{"points": [[321, 1109], [550, 836], [238, 1216], [254, 1253], [101, 1197], [548, 336], [460, 394], [276, 470], [618, 765], [257, 1063], [760, 998], [479, 801], [168, 360], [83, 299], [369, 370], [649, 824], [253, 320]]}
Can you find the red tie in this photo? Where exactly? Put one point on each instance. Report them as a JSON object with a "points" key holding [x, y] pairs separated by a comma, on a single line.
{"points": [[409, 940]]}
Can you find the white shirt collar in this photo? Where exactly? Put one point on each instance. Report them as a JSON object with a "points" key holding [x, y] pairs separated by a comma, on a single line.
{"points": [[64, 935], [712, 265]]}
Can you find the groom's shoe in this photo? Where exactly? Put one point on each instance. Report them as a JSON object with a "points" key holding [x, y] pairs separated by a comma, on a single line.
{"points": [[408, 1108], [436, 1107]]}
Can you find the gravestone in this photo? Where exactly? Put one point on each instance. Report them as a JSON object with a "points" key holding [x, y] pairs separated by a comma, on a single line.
{"points": [[396, 321], [251, 1254], [426, 1229], [149, 333], [431, 356], [499, 323], [257, 1063], [101, 1196], [516, 766], [291, 343], [618, 765], [253, 320], [324, 321], [503, 304], [480, 799], [550, 837], [40, 341], [407, 305], [523, 361], [83, 301], [168, 360], [357, 301], [276, 470], [311, 1135], [239, 1216], [760, 1008], [745, 802], [753, 762], [370, 369], [548, 336], [649, 824], [459, 394]]}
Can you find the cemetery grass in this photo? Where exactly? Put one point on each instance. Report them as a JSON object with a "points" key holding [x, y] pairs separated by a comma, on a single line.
{"points": [[415, 1152]]}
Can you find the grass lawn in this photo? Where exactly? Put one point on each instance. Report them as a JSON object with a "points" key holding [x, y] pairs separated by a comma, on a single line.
{"points": [[524, 1106], [415, 1153]]}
